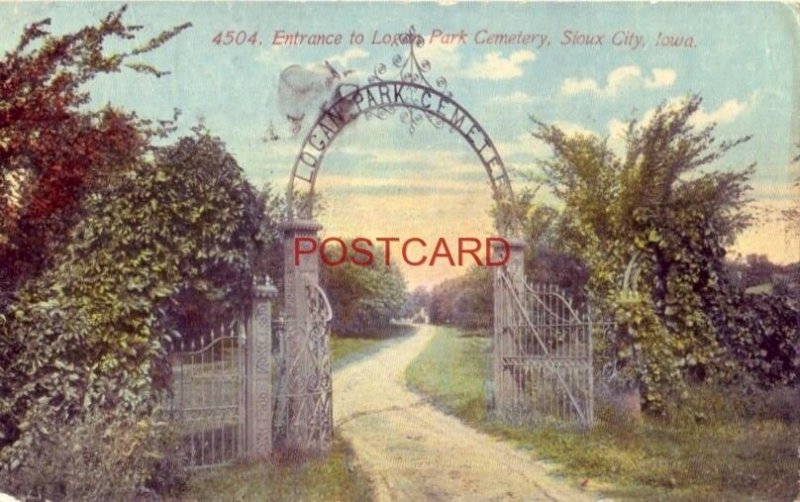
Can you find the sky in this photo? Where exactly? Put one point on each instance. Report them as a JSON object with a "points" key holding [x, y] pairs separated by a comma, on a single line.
{"points": [[380, 179]]}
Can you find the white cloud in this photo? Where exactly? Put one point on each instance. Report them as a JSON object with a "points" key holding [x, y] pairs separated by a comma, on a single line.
{"points": [[496, 67], [662, 77], [515, 98], [344, 59], [523, 145], [726, 112], [573, 86], [444, 59], [572, 128], [616, 135], [617, 79]]}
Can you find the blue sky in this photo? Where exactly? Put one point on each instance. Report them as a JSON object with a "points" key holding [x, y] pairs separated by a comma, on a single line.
{"points": [[378, 179]]}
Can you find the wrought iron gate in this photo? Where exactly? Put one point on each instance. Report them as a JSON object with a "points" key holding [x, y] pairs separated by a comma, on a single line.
{"points": [[208, 396], [543, 351], [303, 409], [222, 398]]}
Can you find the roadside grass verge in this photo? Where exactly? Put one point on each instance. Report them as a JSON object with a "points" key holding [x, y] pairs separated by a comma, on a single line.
{"points": [[347, 349], [729, 448], [285, 478]]}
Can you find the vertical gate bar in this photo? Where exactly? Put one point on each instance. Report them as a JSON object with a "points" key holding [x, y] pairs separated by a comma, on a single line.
{"points": [[190, 398], [241, 348], [204, 420], [590, 355], [231, 396], [224, 397], [214, 403]]}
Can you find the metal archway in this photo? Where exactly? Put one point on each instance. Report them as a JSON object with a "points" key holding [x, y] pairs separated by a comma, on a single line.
{"points": [[381, 98], [303, 419]]}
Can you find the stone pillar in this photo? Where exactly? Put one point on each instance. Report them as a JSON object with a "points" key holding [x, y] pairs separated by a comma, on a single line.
{"points": [[304, 402], [258, 410], [506, 320]]}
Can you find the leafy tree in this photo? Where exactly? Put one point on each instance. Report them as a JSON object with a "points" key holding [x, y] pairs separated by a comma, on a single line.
{"points": [[53, 151], [362, 297], [171, 245], [663, 215], [545, 261]]}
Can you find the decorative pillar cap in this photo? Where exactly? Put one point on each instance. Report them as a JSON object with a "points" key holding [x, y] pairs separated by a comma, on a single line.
{"points": [[299, 226], [513, 243], [264, 288]]}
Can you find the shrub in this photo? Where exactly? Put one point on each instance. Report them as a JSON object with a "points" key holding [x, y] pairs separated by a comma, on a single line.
{"points": [[98, 458]]}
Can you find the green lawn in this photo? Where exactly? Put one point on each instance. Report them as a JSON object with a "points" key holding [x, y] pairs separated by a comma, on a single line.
{"points": [[737, 450], [335, 477]]}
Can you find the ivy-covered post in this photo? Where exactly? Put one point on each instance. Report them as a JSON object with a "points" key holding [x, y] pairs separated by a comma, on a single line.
{"points": [[506, 278], [258, 349]]}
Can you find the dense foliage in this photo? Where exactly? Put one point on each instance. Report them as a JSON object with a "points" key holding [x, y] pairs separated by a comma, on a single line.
{"points": [[175, 236], [663, 215], [53, 150], [363, 298]]}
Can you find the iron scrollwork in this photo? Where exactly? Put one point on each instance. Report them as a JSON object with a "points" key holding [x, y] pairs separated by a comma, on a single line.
{"points": [[413, 70]]}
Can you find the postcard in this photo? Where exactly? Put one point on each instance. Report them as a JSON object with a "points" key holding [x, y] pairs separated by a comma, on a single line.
{"points": [[399, 251]]}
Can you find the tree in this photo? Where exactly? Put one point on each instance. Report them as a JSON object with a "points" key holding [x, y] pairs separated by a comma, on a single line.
{"points": [[363, 298], [545, 260], [53, 151], [169, 248], [661, 214]]}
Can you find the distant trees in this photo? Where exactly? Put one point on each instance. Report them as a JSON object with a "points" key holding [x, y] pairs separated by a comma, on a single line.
{"points": [[463, 301], [419, 299]]}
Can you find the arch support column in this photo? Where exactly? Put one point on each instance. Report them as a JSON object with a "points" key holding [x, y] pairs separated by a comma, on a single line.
{"points": [[304, 418]]}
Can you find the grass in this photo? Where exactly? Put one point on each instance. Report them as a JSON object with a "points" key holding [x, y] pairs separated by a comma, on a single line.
{"points": [[739, 449], [288, 478]]}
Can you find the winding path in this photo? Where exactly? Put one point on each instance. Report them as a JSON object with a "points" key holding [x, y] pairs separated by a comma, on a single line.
{"points": [[414, 452]]}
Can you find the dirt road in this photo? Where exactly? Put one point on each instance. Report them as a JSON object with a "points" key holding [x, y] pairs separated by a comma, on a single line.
{"points": [[414, 452]]}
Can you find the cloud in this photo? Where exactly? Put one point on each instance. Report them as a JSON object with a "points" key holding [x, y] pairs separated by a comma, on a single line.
{"points": [[771, 236], [444, 59], [495, 67], [573, 128], [515, 98], [522, 146], [726, 112], [617, 79], [662, 77], [616, 135], [349, 55]]}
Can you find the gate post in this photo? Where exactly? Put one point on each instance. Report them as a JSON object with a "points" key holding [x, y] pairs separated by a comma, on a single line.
{"points": [[305, 414], [506, 325], [258, 394]]}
